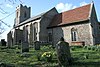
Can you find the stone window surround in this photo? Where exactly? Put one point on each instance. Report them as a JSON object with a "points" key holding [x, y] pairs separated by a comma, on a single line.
{"points": [[73, 34]]}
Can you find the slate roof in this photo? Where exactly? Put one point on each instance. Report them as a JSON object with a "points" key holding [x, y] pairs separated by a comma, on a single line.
{"points": [[31, 19], [71, 16]]}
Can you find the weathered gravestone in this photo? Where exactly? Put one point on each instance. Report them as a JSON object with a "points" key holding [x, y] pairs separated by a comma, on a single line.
{"points": [[25, 47], [37, 45], [25, 44], [9, 39], [63, 53], [3, 42]]}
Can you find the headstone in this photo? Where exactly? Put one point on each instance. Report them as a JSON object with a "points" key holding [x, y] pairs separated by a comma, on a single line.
{"points": [[25, 47], [9, 40], [37, 45], [63, 53], [25, 44], [3, 42]]}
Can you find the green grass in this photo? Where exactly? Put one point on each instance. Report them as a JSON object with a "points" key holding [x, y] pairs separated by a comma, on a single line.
{"points": [[81, 57]]}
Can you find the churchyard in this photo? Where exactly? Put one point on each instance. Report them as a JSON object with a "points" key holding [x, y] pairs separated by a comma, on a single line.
{"points": [[87, 56]]}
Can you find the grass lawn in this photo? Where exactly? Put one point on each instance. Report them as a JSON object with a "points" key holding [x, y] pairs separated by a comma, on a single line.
{"points": [[82, 57]]}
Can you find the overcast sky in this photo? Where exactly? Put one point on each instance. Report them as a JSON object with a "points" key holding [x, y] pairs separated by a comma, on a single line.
{"points": [[37, 7]]}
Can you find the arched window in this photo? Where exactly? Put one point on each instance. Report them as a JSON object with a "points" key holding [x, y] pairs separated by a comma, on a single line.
{"points": [[74, 34]]}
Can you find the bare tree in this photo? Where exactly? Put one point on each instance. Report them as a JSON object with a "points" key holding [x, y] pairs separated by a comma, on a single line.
{"points": [[2, 11], [1, 29], [14, 1]]}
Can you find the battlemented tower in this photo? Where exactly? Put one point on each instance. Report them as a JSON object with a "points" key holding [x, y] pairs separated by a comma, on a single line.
{"points": [[22, 14]]}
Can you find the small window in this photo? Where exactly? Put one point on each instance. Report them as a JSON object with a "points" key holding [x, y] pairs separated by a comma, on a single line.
{"points": [[74, 34]]}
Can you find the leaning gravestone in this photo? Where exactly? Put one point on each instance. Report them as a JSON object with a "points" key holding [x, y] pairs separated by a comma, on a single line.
{"points": [[37, 45], [63, 53], [25, 47]]}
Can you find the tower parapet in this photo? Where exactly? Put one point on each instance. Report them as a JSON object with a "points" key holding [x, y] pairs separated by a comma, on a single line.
{"points": [[22, 13]]}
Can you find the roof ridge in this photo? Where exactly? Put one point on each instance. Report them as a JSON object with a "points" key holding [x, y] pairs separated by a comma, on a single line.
{"points": [[76, 8]]}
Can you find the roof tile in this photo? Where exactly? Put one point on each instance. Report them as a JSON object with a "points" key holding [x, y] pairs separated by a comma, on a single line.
{"points": [[71, 16]]}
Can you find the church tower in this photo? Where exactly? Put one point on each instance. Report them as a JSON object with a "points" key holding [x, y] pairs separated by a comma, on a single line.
{"points": [[22, 14]]}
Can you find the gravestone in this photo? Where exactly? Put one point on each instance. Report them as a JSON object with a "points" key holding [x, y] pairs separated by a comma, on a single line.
{"points": [[63, 53], [9, 39], [25, 47], [37, 45], [3, 42], [25, 44]]}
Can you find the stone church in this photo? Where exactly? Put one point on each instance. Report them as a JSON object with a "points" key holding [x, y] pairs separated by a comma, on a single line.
{"points": [[78, 26]]}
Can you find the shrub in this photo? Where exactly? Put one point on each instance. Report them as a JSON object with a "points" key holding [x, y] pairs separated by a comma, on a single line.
{"points": [[93, 48], [25, 55], [86, 56], [38, 56], [54, 53], [47, 56], [72, 48], [88, 47], [14, 47], [21, 62], [85, 47], [3, 47], [48, 47], [98, 48]]}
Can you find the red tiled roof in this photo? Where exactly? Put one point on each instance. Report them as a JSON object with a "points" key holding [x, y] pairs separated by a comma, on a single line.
{"points": [[71, 16]]}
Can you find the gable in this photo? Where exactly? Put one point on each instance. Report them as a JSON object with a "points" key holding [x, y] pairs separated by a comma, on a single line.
{"points": [[71, 16]]}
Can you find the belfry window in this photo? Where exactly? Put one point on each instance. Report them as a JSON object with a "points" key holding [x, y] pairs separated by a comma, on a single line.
{"points": [[74, 34]]}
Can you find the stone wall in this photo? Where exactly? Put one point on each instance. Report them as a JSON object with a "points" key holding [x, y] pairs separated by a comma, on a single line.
{"points": [[30, 32], [95, 27], [83, 33], [18, 36], [57, 33], [47, 17]]}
